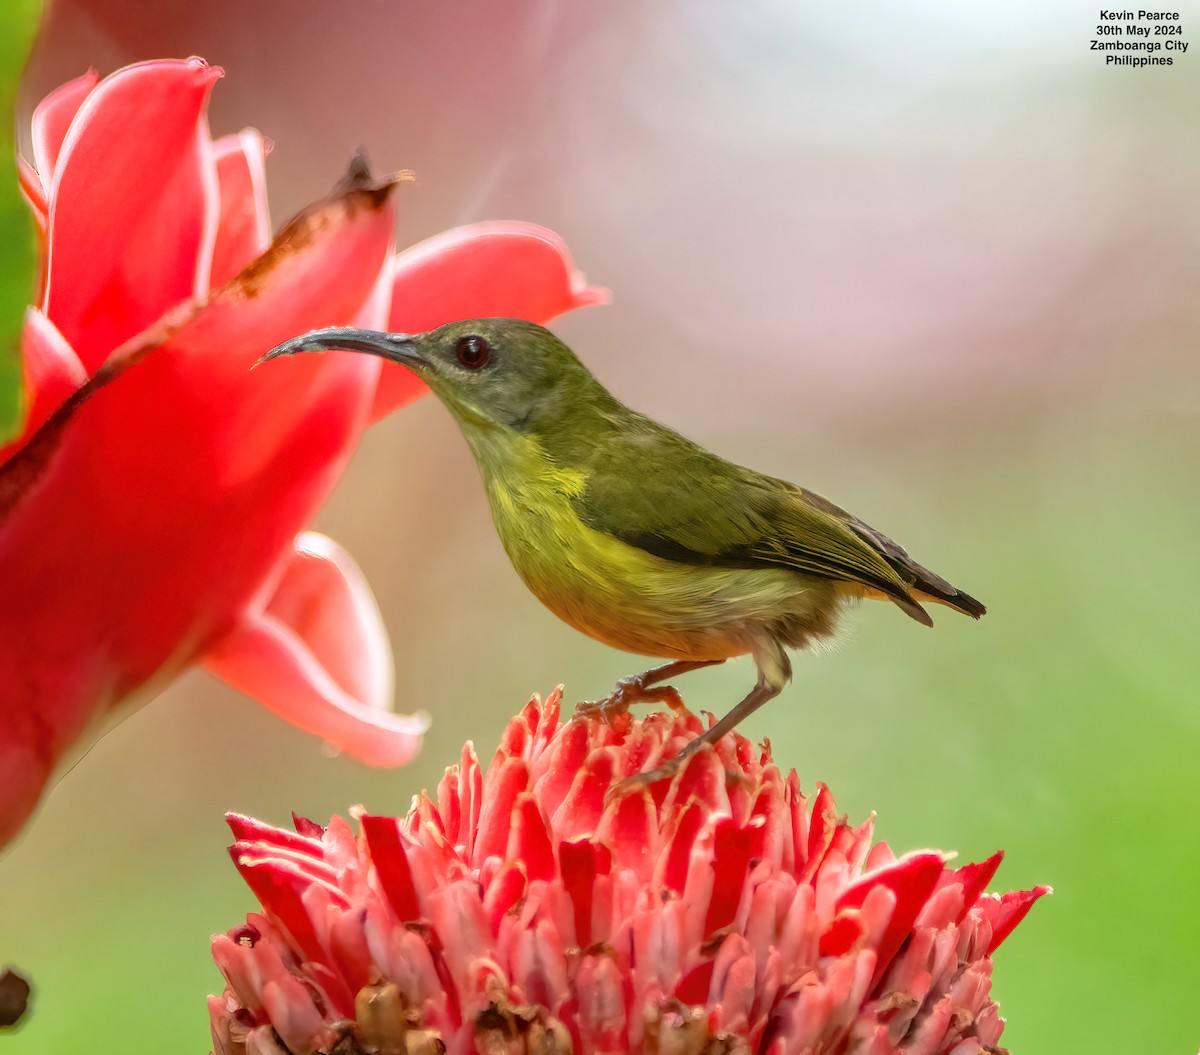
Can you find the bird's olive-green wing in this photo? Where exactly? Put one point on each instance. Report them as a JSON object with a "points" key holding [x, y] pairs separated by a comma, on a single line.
{"points": [[653, 489], [928, 584]]}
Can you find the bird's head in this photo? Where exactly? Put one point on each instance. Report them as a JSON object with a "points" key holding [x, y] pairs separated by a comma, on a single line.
{"points": [[490, 373]]}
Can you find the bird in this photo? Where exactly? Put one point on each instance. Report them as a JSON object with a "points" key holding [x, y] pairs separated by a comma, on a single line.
{"points": [[636, 535]]}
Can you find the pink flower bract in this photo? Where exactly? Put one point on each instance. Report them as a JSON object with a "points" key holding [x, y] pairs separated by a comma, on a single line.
{"points": [[151, 511], [524, 911]]}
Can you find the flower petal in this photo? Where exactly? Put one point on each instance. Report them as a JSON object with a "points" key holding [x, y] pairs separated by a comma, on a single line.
{"points": [[135, 170], [911, 879], [35, 195], [485, 270], [324, 268], [386, 844], [236, 463], [972, 878], [52, 371], [529, 840], [318, 656], [326, 600], [247, 829], [231, 430], [244, 229], [1014, 906], [51, 120]]}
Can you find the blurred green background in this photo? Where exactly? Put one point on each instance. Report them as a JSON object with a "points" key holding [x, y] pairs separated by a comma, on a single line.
{"points": [[936, 262], [17, 250]]}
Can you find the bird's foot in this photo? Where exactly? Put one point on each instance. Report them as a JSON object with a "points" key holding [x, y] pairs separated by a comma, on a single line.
{"points": [[640, 781], [665, 770], [627, 692]]}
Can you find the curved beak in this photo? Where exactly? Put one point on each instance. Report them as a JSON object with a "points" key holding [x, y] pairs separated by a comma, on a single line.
{"points": [[398, 347]]}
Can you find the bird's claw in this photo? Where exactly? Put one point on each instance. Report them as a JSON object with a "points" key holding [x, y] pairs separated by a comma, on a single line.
{"points": [[640, 781], [612, 706], [627, 692]]}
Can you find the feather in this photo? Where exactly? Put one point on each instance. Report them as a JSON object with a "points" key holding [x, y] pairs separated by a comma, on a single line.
{"points": [[651, 488]]}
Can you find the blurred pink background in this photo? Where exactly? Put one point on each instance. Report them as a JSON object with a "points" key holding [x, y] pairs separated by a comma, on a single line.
{"points": [[920, 208]]}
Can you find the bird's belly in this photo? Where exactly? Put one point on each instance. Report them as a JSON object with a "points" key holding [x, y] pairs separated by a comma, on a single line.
{"points": [[641, 603]]}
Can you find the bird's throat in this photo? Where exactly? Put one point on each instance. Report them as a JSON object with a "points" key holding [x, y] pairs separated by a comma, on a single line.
{"points": [[516, 464]]}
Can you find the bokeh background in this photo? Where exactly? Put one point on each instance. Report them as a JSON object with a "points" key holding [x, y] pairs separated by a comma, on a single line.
{"points": [[931, 259]]}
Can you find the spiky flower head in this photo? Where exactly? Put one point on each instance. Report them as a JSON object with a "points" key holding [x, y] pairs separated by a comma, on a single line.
{"points": [[527, 909]]}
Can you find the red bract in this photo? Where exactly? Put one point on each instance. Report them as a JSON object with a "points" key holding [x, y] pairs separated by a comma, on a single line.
{"points": [[151, 510], [528, 910]]}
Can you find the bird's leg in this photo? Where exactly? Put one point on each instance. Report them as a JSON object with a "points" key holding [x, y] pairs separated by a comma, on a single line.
{"points": [[753, 701], [774, 672], [643, 688]]}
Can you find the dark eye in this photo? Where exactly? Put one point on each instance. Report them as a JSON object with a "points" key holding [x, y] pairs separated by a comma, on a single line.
{"points": [[473, 352]]}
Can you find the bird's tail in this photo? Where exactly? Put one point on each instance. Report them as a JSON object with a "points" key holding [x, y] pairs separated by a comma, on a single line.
{"points": [[943, 593], [921, 583]]}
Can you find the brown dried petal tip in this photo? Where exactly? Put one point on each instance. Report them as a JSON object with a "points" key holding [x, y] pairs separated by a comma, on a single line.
{"points": [[14, 997]]}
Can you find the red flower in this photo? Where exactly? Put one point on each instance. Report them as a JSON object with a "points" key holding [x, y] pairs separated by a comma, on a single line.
{"points": [[523, 911], [150, 509]]}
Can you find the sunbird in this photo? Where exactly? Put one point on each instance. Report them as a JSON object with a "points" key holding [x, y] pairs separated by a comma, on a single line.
{"points": [[637, 536]]}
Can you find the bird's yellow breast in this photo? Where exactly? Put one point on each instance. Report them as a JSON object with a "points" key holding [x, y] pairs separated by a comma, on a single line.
{"points": [[622, 595]]}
